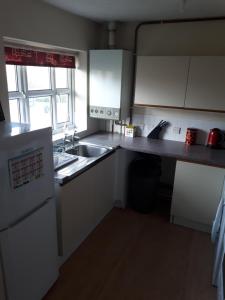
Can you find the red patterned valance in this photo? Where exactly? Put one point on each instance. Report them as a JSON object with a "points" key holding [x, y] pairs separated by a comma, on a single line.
{"points": [[17, 56]]}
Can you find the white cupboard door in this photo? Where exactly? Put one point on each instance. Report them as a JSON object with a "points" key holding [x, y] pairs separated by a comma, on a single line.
{"points": [[206, 83], [197, 192], [84, 201], [104, 184], [28, 157], [161, 80]]}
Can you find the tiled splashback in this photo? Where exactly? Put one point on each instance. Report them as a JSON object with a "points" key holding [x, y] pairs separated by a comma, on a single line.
{"points": [[146, 119]]}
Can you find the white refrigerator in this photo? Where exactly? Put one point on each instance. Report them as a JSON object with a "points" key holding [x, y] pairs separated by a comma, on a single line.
{"points": [[28, 234]]}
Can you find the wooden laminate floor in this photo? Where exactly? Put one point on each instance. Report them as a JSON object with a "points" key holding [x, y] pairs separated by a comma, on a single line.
{"points": [[133, 256]]}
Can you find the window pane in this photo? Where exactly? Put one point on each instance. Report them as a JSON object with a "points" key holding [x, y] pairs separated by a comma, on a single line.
{"points": [[80, 110], [38, 78], [40, 112], [61, 78], [62, 108], [14, 110], [11, 78]]}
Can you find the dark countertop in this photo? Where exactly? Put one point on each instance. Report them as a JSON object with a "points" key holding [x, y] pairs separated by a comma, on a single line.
{"points": [[179, 150]]}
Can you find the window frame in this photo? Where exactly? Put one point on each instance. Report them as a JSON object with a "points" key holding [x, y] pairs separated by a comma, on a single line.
{"points": [[23, 94]]}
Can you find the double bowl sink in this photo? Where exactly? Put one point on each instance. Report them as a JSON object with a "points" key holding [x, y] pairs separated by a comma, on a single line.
{"points": [[76, 158]]}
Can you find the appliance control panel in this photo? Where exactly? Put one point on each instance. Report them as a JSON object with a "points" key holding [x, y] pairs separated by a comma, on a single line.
{"points": [[108, 113]]}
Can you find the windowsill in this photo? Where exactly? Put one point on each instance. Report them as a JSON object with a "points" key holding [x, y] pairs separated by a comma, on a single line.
{"points": [[58, 136]]}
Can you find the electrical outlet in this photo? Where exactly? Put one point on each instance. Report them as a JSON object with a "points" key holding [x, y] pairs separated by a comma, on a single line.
{"points": [[176, 130]]}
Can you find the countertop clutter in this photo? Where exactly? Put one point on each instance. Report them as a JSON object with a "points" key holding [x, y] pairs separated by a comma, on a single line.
{"points": [[179, 150]]}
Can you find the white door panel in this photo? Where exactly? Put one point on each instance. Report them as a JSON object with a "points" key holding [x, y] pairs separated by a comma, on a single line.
{"points": [[29, 254], [206, 88], [161, 80], [17, 201]]}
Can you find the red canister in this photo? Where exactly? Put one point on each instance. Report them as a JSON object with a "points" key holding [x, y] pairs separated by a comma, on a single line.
{"points": [[191, 135]]}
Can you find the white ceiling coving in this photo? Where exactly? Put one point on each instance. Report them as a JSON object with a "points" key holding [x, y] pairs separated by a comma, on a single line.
{"points": [[141, 10]]}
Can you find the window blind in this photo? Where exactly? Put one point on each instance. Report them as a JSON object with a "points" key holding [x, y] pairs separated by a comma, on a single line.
{"points": [[18, 56]]}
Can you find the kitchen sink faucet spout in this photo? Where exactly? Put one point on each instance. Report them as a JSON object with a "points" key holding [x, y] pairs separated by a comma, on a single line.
{"points": [[75, 138]]}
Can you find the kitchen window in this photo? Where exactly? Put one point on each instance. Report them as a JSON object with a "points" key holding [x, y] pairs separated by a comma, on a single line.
{"points": [[41, 95]]}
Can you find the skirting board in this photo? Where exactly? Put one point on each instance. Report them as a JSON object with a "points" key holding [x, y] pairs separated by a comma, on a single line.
{"points": [[190, 224]]}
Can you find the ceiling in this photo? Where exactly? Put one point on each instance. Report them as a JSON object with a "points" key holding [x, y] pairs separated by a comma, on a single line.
{"points": [[141, 10]]}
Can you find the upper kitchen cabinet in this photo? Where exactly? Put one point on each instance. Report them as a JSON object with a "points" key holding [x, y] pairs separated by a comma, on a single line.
{"points": [[206, 83], [110, 73], [161, 80]]}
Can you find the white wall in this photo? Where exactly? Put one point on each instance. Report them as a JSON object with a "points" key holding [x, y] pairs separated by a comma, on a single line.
{"points": [[195, 38], [35, 21], [148, 118]]}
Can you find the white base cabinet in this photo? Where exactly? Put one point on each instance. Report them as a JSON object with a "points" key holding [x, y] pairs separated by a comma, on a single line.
{"points": [[196, 195], [84, 201]]}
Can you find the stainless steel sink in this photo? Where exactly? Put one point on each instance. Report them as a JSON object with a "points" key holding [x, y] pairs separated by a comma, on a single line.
{"points": [[88, 150], [87, 155]]}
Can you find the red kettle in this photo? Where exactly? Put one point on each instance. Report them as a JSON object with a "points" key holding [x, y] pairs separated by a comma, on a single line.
{"points": [[214, 138]]}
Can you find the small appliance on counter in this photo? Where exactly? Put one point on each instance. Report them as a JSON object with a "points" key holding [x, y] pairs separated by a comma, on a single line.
{"points": [[215, 138]]}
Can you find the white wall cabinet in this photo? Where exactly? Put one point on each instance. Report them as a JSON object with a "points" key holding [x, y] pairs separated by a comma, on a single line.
{"points": [[196, 195], [161, 80], [84, 201], [206, 83], [195, 82]]}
